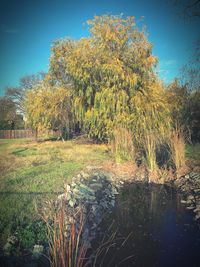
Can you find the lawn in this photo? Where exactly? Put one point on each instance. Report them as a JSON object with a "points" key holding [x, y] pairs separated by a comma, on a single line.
{"points": [[44, 167], [31, 173], [27, 166]]}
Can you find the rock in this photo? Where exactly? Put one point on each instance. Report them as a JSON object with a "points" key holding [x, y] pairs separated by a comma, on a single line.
{"points": [[190, 207], [197, 209], [96, 186], [37, 251], [79, 176], [194, 175], [190, 197], [197, 216], [197, 190], [187, 176], [84, 175], [183, 201]]}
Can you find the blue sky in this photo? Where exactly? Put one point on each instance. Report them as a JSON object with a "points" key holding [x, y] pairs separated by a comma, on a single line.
{"points": [[28, 28]]}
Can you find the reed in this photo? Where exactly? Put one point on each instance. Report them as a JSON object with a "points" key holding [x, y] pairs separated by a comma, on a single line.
{"points": [[149, 144], [67, 248], [177, 148], [122, 144]]}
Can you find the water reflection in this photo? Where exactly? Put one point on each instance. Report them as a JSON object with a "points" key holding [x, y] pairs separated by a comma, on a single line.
{"points": [[158, 228]]}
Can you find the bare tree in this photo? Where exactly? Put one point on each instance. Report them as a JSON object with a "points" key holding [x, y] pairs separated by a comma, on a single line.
{"points": [[16, 94], [188, 8]]}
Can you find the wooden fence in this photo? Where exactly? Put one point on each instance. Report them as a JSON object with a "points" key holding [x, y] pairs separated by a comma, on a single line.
{"points": [[12, 134]]}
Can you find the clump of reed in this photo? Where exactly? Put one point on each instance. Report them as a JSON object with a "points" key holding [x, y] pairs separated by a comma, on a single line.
{"points": [[64, 230], [149, 144], [177, 148], [122, 145]]}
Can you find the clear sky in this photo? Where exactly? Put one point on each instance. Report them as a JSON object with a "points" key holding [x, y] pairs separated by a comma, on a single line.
{"points": [[28, 28]]}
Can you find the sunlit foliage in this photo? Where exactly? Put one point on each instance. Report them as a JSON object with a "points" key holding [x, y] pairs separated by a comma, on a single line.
{"points": [[106, 69], [105, 85], [49, 107]]}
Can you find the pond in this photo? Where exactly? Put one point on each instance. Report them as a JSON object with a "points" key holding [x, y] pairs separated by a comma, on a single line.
{"points": [[148, 226], [153, 228]]}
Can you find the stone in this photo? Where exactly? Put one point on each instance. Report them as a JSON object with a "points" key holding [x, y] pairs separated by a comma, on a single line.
{"points": [[190, 207], [183, 201], [37, 251], [84, 175], [194, 175], [190, 197], [197, 216], [96, 186], [187, 176]]}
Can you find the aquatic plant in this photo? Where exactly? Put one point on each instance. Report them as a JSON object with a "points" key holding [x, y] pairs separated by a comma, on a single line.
{"points": [[177, 148], [64, 231]]}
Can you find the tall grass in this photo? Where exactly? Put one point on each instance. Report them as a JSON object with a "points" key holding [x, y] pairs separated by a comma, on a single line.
{"points": [[151, 121], [122, 144], [149, 144], [177, 148], [67, 248]]}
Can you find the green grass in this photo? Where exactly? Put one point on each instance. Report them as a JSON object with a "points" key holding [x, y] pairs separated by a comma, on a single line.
{"points": [[193, 151], [28, 166], [31, 173], [17, 209]]}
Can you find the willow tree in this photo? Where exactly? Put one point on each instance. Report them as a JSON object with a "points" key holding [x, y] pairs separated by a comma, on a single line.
{"points": [[106, 69], [49, 107], [110, 71]]}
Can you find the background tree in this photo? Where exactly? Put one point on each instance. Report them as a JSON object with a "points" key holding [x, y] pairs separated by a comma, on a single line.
{"points": [[17, 94], [188, 8], [9, 118], [178, 100], [194, 115]]}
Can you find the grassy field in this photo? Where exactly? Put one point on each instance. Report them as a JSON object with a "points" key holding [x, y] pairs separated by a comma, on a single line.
{"points": [[31, 173], [30, 167], [27, 166]]}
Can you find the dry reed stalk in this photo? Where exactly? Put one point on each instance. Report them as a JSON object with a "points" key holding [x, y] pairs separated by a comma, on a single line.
{"points": [[177, 148], [122, 144], [150, 149]]}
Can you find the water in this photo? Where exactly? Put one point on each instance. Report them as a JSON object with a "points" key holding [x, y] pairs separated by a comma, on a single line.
{"points": [[152, 228], [147, 227]]}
